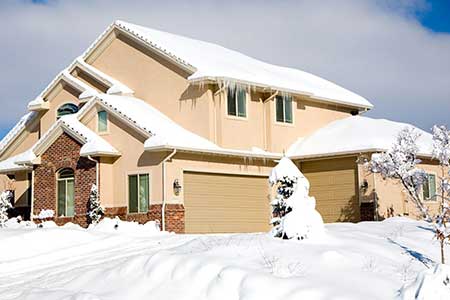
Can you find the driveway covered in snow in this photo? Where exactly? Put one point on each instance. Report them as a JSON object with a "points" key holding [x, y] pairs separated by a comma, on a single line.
{"points": [[353, 261]]}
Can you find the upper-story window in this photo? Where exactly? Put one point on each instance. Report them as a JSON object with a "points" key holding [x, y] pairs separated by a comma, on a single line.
{"points": [[66, 109], [102, 121], [237, 102], [429, 187], [283, 106]]}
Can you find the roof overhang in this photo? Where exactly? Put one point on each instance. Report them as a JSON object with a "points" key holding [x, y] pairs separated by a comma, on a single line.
{"points": [[347, 153], [265, 88], [216, 152]]}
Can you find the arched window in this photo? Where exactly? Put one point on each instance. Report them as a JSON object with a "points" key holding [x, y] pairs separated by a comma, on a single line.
{"points": [[66, 192], [66, 109]]}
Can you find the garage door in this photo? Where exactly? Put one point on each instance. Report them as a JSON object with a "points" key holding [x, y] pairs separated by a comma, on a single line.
{"points": [[334, 185], [222, 203]]}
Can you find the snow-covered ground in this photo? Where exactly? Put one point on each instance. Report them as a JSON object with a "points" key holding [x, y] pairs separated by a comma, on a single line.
{"points": [[368, 260]]}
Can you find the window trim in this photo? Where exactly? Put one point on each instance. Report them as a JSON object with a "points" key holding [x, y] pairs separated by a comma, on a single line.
{"points": [[434, 198], [292, 124], [107, 122], [131, 173], [65, 200], [236, 117]]}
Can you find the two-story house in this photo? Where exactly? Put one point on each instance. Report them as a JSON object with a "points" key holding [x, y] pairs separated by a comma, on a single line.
{"points": [[179, 130]]}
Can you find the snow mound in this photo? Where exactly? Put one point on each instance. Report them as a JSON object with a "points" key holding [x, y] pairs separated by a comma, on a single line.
{"points": [[108, 225], [429, 284]]}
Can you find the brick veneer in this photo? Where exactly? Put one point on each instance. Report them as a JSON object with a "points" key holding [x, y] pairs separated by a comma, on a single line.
{"points": [[63, 153], [174, 215]]}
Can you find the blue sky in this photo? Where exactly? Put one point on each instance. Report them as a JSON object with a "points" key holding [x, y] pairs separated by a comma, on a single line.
{"points": [[396, 53], [437, 16]]}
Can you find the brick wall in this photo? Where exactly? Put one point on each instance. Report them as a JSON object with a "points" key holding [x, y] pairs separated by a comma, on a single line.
{"points": [[63, 153], [174, 215]]}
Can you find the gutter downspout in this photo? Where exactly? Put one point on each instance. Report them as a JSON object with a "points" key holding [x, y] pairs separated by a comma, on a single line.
{"points": [[96, 170], [163, 207], [265, 139], [32, 195]]}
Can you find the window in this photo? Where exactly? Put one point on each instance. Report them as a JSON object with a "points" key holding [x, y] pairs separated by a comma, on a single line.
{"points": [[283, 109], [429, 187], [66, 109], [102, 121], [237, 102], [138, 193], [66, 192]]}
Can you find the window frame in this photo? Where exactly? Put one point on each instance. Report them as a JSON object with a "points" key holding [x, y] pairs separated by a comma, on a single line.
{"points": [[127, 182], [236, 100], [284, 111], [65, 180], [98, 122], [434, 197], [66, 104]]}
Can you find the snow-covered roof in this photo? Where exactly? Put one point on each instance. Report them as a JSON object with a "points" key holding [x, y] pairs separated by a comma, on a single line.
{"points": [[93, 144], [208, 61], [355, 134], [16, 130], [65, 75], [163, 132], [12, 164]]}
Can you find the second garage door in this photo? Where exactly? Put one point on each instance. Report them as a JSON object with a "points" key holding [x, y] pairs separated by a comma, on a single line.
{"points": [[334, 185], [223, 203]]}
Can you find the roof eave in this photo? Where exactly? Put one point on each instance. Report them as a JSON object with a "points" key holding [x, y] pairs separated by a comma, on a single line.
{"points": [[313, 97], [220, 152]]}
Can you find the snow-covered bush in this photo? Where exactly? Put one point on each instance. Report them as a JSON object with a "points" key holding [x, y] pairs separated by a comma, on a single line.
{"points": [[5, 205], [96, 211], [293, 210]]}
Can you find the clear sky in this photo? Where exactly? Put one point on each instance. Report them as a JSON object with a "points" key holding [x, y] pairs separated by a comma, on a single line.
{"points": [[396, 53]]}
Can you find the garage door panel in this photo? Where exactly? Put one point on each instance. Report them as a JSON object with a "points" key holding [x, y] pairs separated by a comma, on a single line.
{"points": [[334, 185], [216, 203]]}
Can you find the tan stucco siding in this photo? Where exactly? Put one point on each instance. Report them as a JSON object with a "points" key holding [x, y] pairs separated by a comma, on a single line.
{"points": [[20, 185], [158, 82], [238, 132], [308, 117], [60, 95]]}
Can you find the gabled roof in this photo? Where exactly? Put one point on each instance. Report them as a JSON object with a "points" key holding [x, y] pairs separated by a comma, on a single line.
{"points": [[208, 61], [355, 134], [92, 144], [116, 87]]}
